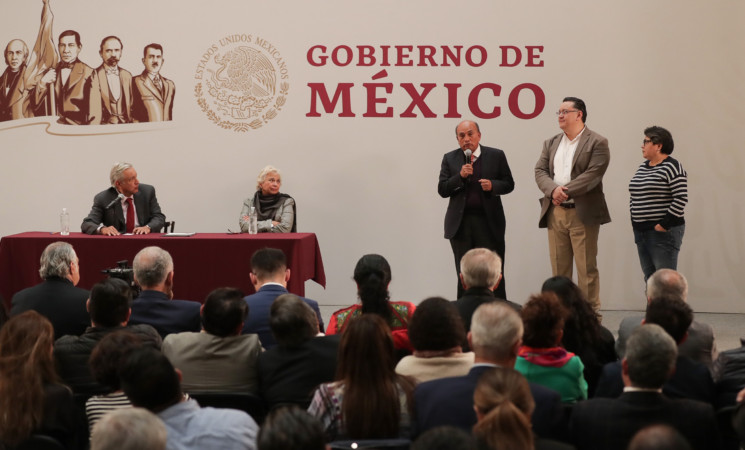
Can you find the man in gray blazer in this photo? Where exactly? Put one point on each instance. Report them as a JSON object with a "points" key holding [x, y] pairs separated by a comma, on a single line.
{"points": [[570, 175]]}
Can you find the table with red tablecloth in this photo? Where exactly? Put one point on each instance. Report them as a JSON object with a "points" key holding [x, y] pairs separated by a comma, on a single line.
{"points": [[202, 262]]}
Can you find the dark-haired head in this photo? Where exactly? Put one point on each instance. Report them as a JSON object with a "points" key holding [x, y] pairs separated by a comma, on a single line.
{"points": [[578, 104], [292, 320], [110, 303], [661, 136], [110, 354], [543, 318], [149, 380], [373, 274], [291, 427], [582, 325], [224, 312], [436, 326], [268, 263]]}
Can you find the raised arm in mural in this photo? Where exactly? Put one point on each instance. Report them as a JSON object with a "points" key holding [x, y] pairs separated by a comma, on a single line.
{"points": [[153, 93]]}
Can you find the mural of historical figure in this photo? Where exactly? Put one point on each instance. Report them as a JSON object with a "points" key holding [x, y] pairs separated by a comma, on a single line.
{"points": [[110, 89], [153, 93], [14, 92]]}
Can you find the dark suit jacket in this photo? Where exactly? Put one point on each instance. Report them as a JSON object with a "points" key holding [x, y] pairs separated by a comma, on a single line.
{"points": [[99, 97], [72, 103], [16, 104], [493, 167], [57, 300], [290, 375], [449, 401], [148, 103], [472, 298], [590, 162], [167, 316], [609, 424], [146, 205], [691, 380], [258, 313]]}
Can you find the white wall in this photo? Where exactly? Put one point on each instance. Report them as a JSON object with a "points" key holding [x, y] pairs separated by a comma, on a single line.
{"points": [[369, 184]]}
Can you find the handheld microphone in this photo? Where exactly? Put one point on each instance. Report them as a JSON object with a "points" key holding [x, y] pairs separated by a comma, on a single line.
{"points": [[118, 198], [468, 160]]}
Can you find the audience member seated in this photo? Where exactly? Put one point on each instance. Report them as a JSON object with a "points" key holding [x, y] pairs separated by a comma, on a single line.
{"points": [[368, 400], [57, 298], [269, 276], [738, 418], [495, 337], [583, 334], [290, 427], [659, 437], [504, 405], [151, 382], [480, 275], [106, 359], [542, 359], [290, 372], [691, 379], [31, 399], [700, 345], [153, 270], [437, 335], [610, 423], [220, 358], [373, 275], [109, 308], [129, 429], [445, 438], [729, 375]]}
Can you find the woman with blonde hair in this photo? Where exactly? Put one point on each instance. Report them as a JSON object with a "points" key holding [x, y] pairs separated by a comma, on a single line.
{"points": [[275, 211]]}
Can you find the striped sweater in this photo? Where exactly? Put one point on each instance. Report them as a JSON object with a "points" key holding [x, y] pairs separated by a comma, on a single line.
{"points": [[658, 195]]}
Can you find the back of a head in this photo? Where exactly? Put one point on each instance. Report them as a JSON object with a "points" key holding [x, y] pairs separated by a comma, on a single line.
{"points": [[543, 317], [659, 437], [366, 350], [151, 266], [110, 302], [436, 326], [503, 401], [481, 268], [672, 314], [56, 259], [444, 438], [667, 283], [149, 380], [291, 427], [495, 329], [650, 355], [129, 429], [582, 325], [268, 263], [109, 355], [373, 274], [292, 320], [224, 311]]}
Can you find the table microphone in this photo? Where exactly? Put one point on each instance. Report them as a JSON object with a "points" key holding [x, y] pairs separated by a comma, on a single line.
{"points": [[118, 198]]}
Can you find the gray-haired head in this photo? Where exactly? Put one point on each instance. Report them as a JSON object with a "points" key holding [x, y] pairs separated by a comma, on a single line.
{"points": [[495, 329], [151, 266], [650, 355], [129, 429], [56, 260], [117, 172], [264, 173], [481, 268], [667, 283]]}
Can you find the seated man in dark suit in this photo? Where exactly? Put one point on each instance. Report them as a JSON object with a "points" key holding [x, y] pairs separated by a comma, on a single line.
{"points": [[480, 275], [729, 375], [57, 298], [153, 270], [610, 423], [495, 337], [301, 360], [269, 276], [126, 207], [220, 358], [700, 345], [691, 379], [109, 307]]}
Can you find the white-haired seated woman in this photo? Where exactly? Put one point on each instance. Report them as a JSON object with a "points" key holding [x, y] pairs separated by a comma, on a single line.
{"points": [[275, 211]]}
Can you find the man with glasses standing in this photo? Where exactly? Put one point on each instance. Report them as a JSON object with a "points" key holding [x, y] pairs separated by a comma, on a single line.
{"points": [[570, 175]]}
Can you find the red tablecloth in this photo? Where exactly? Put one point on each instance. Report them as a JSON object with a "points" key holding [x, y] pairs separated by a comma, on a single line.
{"points": [[201, 262]]}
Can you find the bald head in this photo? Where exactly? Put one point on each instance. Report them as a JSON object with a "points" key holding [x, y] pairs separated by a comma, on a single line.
{"points": [[667, 283]]}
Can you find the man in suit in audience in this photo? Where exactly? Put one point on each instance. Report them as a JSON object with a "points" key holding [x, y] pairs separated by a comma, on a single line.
{"points": [[480, 274], [150, 381], [109, 308], [269, 276], [691, 379], [153, 93], [611, 423], [301, 360], [57, 298], [153, 271], [126, 207], [219, 358], [700, 345], [495, 338], [110, 89]]}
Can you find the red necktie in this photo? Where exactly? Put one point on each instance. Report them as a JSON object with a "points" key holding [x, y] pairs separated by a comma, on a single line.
{"points": [[130, 216]]}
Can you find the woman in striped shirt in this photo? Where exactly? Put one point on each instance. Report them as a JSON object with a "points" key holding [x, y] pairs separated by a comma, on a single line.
{"points": [[659, 193]]}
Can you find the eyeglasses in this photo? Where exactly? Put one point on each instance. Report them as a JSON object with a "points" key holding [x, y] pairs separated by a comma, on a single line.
{"points": [[564, 112], [646, 141]]}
